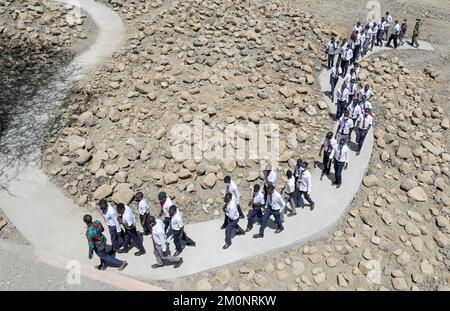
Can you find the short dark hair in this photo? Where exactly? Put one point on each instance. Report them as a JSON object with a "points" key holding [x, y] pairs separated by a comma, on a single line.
{"points": [[305, 164], [227, 179], [139, 195], [87, 219], [103, 203], [270, 186], [289, 173], [172, 209], [151, 220], [228, 195], [256, 187], [120, 206]]}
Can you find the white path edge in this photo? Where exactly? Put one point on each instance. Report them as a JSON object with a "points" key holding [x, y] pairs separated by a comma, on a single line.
{"points": [[53, 223]]}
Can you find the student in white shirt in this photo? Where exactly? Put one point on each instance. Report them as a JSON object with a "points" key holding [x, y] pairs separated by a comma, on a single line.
{"points": [[232, 213], [165, 202], [110, 216], [334, 77], [327, 145], [256, 203], [366, 91], [160, 246], [231, 187], [381, 28], [347, 56], [176, 222], [354, 111], [131, 235], [341, 100], [144, 211], [365, 104], [270, 178], [304, 184], [388, 23], [367, 39], [352, 89], [344, 127], [394, 35], [342, 48], [331, 52], [289, 192], [340, 156], [357, 48], [374, 35], [363, 126], [274, 205]]}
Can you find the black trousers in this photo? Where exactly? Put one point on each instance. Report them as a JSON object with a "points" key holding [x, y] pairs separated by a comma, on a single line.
{"points": [[325, 161], [338, 168], [395, 38], [241, 215], [131, 235]]}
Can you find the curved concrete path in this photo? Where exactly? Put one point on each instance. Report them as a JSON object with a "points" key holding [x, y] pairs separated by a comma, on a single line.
{"points": [[52, 222]]}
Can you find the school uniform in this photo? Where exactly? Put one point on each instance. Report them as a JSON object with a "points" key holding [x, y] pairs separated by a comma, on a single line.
{"points": [[177, 224], [394, 36], [131, 235], [345, 125], [257, 204], [351, 93], [331, 51], [364, 124], [274, 205], [304, 185], [231, 211], [340, 156], [341, 102], [110, 217], [165, 207], [288, 193], [270, 179], [363, 92], [160, 247], [144, 211], [328, 145], [334, 77], [347, 56], [389, 21]]}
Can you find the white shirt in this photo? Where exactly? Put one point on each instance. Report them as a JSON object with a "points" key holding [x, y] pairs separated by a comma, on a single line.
{"points": [[276, 201], [348, 78], [345, 125], [341, 154], [231, 210], [389, 19], [271, 178], [358, 39], [111, 218], [233, 189], [348, 54], [159, 234], [328, 144], [342, 95], [367, 93], [167, 204], [331, 48], [397, 29], [364, 121], [304, 182], [357, 28], [144, 207], [354, 111], [375, 31], [351, 88], [258, 198], [365, 105], [128, 218], [176, 222], [334, 73], [385, 25], [290, 186]]}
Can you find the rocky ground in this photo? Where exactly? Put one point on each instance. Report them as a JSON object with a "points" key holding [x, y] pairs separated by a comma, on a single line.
{"points": [[224, 63]]}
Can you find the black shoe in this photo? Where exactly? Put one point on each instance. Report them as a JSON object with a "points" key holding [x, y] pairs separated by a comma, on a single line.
{"points": [[278, 231], [258, 236], [99, 267], [240, 232], [192, 244], [223, 227], [157, 265], [241, 217], [226, 246], [358, 152], [177, 253], [249, 229], [123, 250], [178, 263], [338, 186], [292, 214], [312, 206], [140, 253], [123, 266]]}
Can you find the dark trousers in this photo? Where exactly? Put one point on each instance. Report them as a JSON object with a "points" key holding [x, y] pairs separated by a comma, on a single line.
{"points": [[325, 161], [338, 168], [232, 226], [307, 198], [178, 236], [108, 260], [380, 37], [146, 227], [114, 238], [395, 38], [333, 82], [340, 108], [132, 235], [241, 215], [166, 223], [255, 212], [330, 61], [350, 100], [269, 212], [360, 137], [356, 53], [344, 66]]}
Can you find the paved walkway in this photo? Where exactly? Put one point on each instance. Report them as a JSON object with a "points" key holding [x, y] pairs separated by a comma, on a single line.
{"points": [[52, 222]]}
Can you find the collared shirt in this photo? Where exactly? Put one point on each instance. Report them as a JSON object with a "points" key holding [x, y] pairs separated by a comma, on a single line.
{"points": [[159, 234], [111, 218], [258, 198], [334, 73], [331, 48], [358, 39], [348, 54], [375, 30], [128, 218], [351, 88], [342, 95], [397, 29], [348, 78], [233, 189], [275, 201], [340, 153], [231, 209], [354, 111], [345, 125], [367, 93], [297, 169], [304, 182], [290, 186], [144, 207], [328, 144], [176, 222], [271, 178], [365, 105], [95, 237], [343, 49], [389, 19], [167, 204], [385, 25], [364, 122]]}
